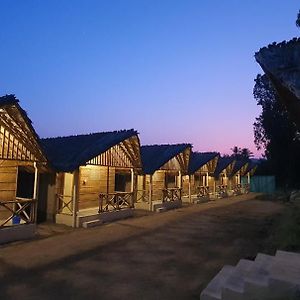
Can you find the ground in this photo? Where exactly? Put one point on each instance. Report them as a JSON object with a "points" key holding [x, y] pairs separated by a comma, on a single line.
{"points": [[172, 255]]}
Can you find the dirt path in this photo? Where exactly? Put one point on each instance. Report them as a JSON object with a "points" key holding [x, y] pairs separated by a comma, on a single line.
{"points": [[171, 255]]}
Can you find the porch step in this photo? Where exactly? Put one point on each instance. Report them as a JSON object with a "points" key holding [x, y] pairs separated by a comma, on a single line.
{"points": [[202, 200], [161, 209], [93, 223]]}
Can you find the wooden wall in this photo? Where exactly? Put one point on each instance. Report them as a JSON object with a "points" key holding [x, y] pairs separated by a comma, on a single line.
{"points": [[158, 183], [185, 184], [211, 183], [8, 180], [92, 181]]}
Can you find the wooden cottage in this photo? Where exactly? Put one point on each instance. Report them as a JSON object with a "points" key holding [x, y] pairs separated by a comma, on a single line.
{"points": [[160, 186], [235, 178], [246, 176], [221, 175], [199, 183], [95, 176], [21, 161]]}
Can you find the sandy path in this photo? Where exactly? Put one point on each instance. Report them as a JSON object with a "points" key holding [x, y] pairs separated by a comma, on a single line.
{"points": [[163, 256]]}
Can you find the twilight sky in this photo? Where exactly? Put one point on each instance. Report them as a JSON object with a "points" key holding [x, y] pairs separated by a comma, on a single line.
{"points": [[177, 71]]}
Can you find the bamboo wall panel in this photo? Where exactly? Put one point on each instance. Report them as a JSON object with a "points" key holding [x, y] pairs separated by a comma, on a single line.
{"points": [[211, 183], [158, 184], [172, 164], [92, 182], [8, 186], [115, 156], [147, 180], [141, 182], [12, 148], [185, 184]]}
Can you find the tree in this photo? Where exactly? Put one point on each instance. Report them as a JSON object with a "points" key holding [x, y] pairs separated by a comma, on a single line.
{"points": [[276, 134], [246, 153], [298, 19], [235, 151], [241, 153]]}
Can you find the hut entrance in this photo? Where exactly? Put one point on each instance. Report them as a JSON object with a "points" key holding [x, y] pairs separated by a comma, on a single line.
{"points": [[122, 182], [25, 182], [172, 180], [65, 195]]}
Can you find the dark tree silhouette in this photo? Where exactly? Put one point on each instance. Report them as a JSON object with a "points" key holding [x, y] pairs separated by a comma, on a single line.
{"points": [[276, 134], [298, 19], [241, 153]]}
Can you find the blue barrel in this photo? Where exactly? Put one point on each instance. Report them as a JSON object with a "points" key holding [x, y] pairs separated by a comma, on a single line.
{"points": [[16, 220]]}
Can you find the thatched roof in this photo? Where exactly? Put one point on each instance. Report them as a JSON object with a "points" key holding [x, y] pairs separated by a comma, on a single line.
{"points": [[223, 163], [250, 168], [155, 156], [281, 62], [238, 165], [199, 159], [68, 153], [13, 116]]}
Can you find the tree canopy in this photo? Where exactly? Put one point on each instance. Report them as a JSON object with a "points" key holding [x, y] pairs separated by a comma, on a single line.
{"points": [[241, 153], [276, 134], [298, 19]]}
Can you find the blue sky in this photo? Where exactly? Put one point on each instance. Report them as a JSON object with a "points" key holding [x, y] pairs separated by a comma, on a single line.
{"points": [[177, 71]]}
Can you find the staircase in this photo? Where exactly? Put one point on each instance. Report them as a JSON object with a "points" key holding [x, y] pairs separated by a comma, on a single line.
{"points": [[267, 277]]}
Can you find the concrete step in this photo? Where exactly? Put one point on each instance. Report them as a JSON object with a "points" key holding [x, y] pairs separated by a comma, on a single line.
{"points": [[291, 256], [265, 278], [201, 200], [247, 276], [213, 291], [233, 287], [161, 209], [93, 223], [284, 271]]}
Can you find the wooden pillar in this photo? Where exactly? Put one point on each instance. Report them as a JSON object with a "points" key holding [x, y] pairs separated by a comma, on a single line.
{"points": [[150, 192], [132, 185], [35, 192], [107, 181], [190, 192], [132, 181], [207, 179], [35, 181], [180, 179], [215, 186], [248, 177], [75, 197]]}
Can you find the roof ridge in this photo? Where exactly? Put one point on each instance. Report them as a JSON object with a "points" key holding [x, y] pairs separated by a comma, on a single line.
{"points": [[91, 133]]}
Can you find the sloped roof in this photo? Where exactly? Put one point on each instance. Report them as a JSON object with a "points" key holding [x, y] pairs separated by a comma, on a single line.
{"points": [[281, 62], [223, 163], [199, 159], [251, 165], [68, 153], [239, 164], [20, 119], [155, 156]]}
